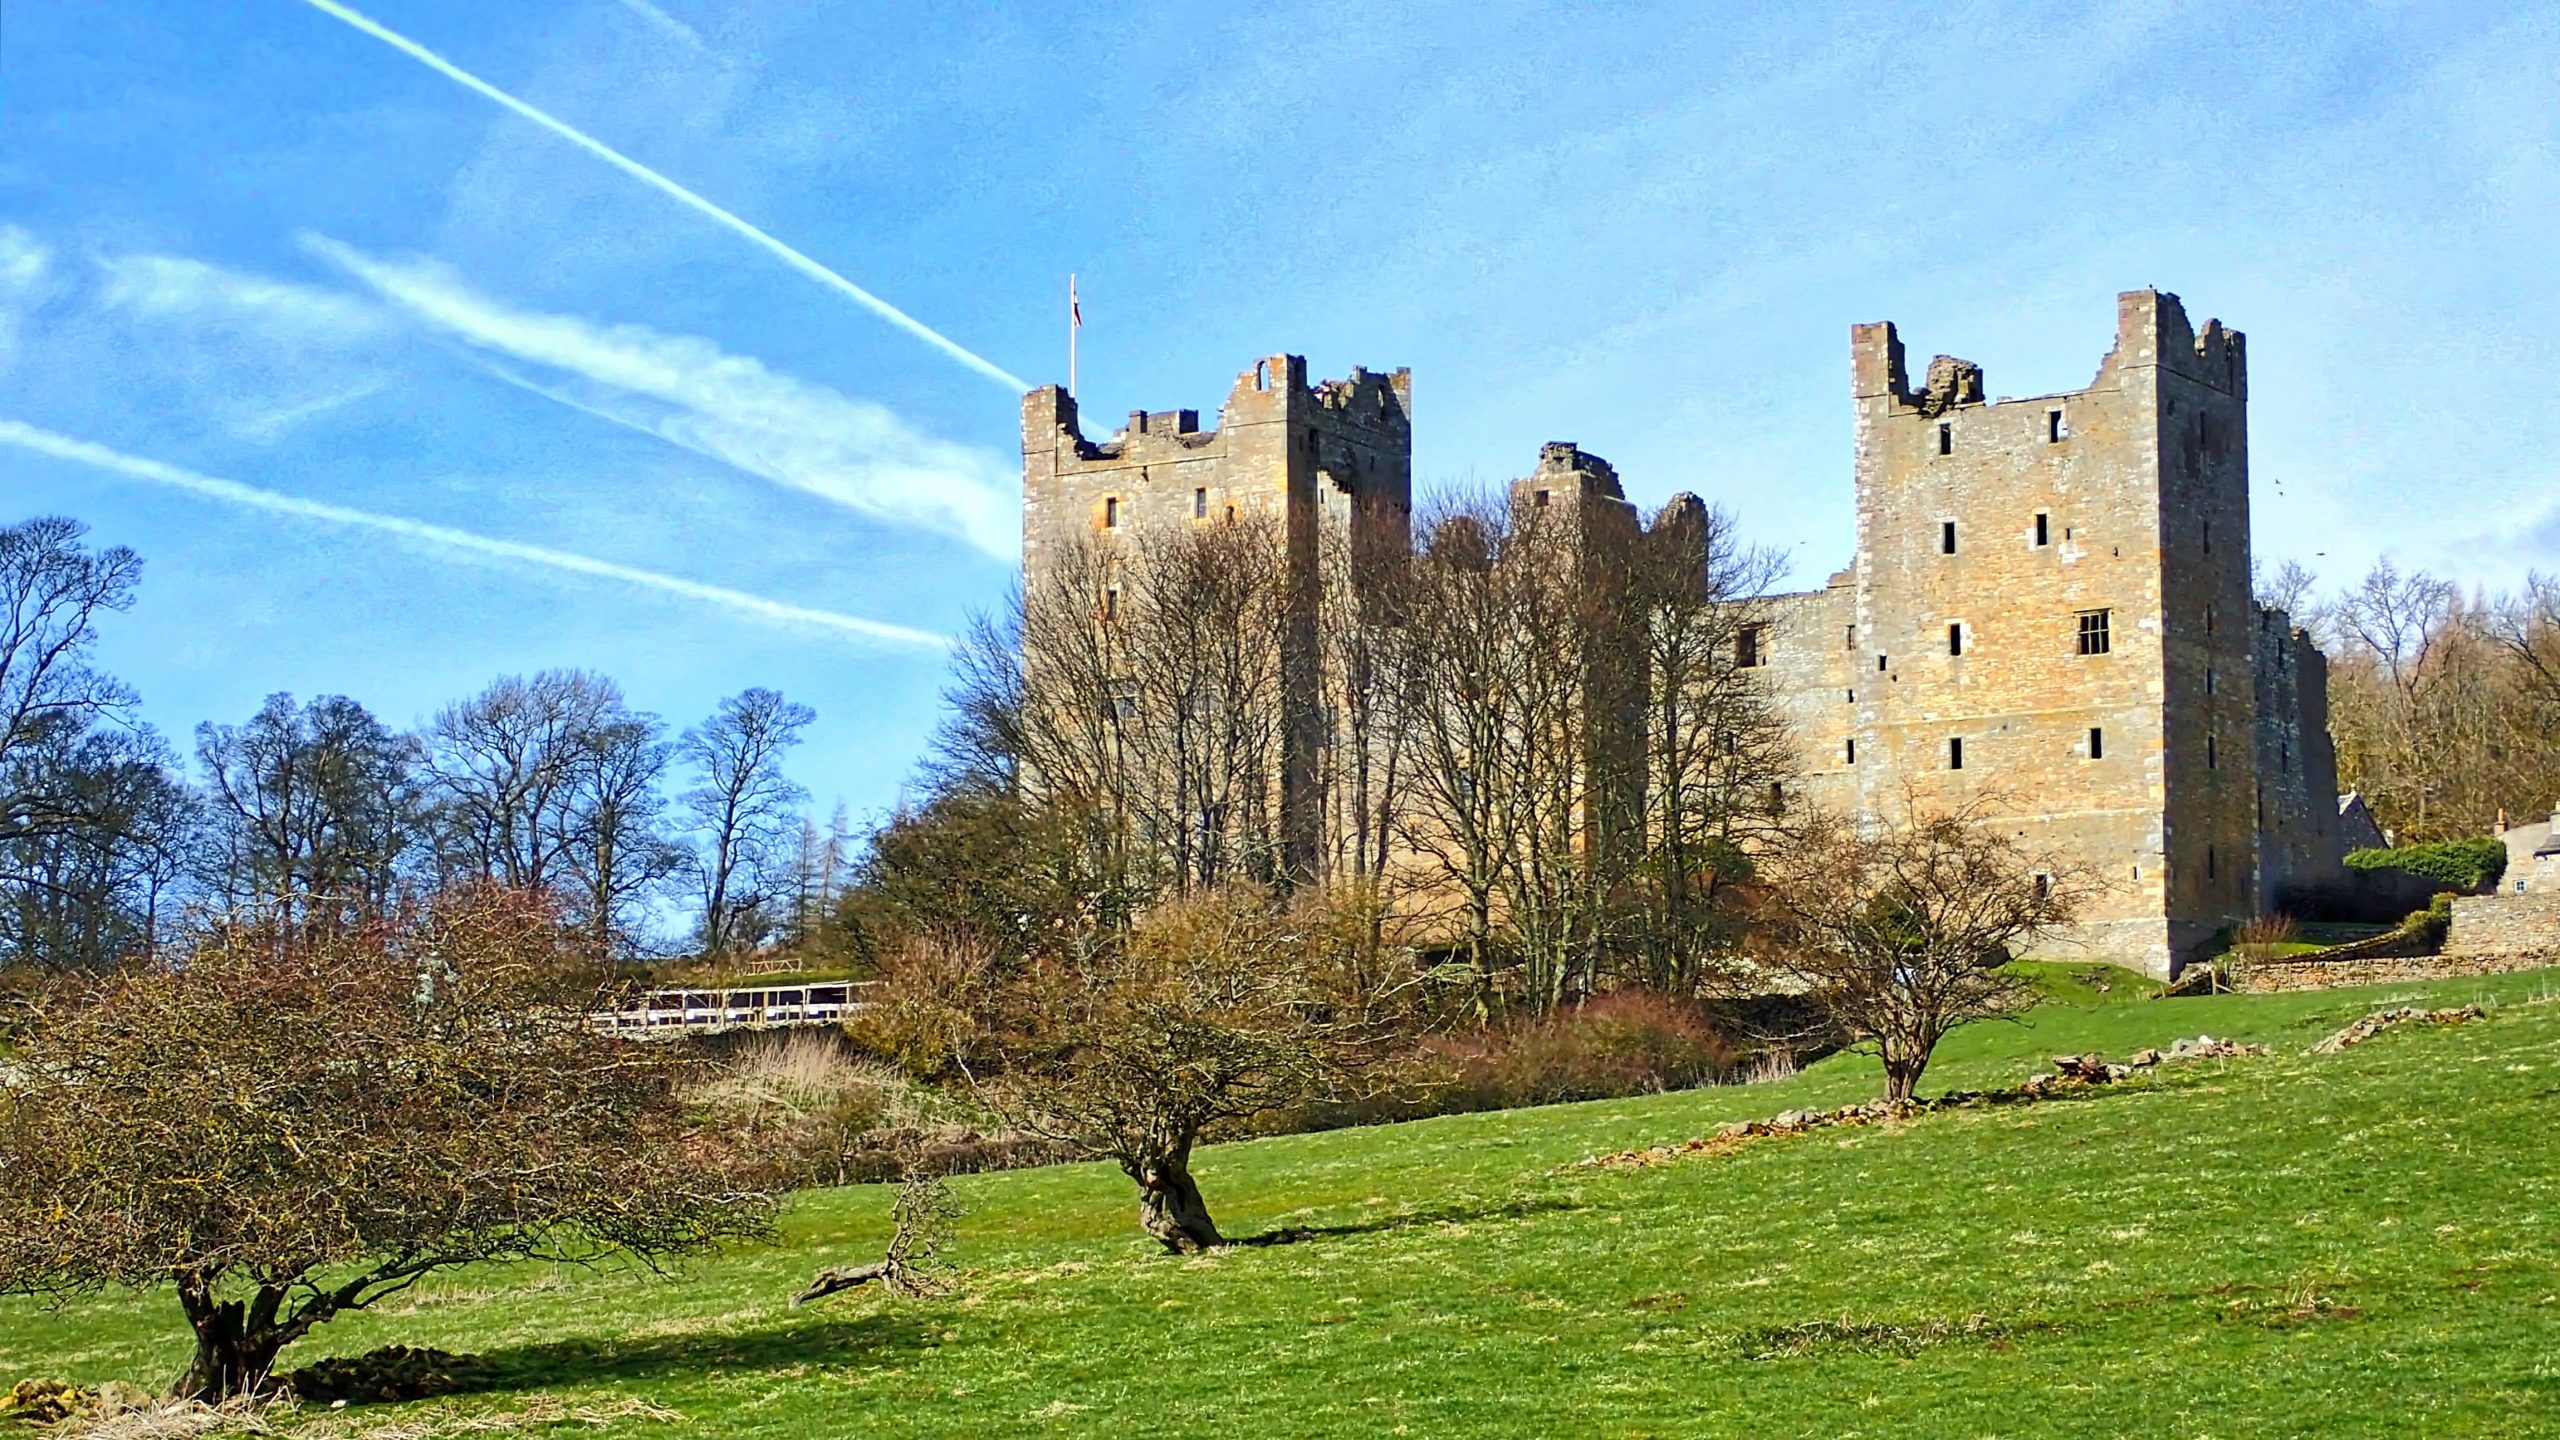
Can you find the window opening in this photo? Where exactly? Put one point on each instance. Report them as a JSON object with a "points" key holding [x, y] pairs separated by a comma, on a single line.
{"points": [[1746, 648], [2210, 760], [2097, 743], [1111, 511], [1261, 374], [1853, 750], [2093, 632], [1955, 753], [2053, 430], [2044, 529], [1947, 538], [1542, 499], [1946, 439], [1955, 639], [2208, 679], [1880, 664], [1200, 503]]}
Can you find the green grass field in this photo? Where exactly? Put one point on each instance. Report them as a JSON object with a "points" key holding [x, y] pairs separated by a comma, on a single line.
{"points": [[2359, 1244]]}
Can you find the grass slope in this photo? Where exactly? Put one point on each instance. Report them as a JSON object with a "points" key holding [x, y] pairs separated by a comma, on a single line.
{"points": [[2349, 1245]]}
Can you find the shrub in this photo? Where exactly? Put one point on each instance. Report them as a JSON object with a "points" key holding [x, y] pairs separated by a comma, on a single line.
{"points": [[798, 1110], [2469, 865]]}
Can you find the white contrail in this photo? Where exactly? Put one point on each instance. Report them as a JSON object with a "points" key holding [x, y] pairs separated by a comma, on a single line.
{"points": [[232, 492], [643, 173]]}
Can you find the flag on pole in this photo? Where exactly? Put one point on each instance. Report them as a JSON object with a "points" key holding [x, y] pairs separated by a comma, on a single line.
{"points": [[1075, 311], [1075, 323]]}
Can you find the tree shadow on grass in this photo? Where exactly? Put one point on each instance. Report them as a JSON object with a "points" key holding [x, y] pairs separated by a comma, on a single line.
{"points": [[1510, 1209], [588, 1359]]}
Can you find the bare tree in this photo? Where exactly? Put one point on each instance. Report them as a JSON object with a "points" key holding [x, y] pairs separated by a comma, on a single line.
{"points": [[52, 590], [1902, 934], [743, 808], [554, 782], [90, 896], [315, 809], [281, 1144]]}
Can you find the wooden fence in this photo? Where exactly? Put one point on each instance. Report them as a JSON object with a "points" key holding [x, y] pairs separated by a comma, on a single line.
{"points": [[744, 1007]]}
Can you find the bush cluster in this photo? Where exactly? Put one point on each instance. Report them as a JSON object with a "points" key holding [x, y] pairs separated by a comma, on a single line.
{"points": [[2468, 865]]}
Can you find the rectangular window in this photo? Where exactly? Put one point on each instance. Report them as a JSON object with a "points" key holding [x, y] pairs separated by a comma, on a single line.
{"points": [[1850, 641], [2284, 757], [2044, 886], [1853, 750], [1200, 504], [1542, 499], [2044, 529], [2093, 632], [1110, 511], [2212, 863], [1261, 374], [1777, 798], [1955, 753], [1880, 662], [1947, 538], [2208, 537], [2211, 759], [1955, 639], [1946, 439], [1747, 653], [2097, 743], [1111, 603], [2208, 679], [2053, 431]]}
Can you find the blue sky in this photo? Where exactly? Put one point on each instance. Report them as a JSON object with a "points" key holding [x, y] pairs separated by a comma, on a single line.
{"points": [[260, 270]]}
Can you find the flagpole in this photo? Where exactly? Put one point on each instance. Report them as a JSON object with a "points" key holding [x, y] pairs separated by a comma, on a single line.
{"points": [[1075, 322]]}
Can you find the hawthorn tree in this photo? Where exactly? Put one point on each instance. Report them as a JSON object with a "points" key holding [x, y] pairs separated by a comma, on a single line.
{"points": [[1209, 1011], [1902, 933], [293, 1125]]}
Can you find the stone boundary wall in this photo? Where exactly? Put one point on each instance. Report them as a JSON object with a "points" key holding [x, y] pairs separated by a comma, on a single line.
{"points": [[2504, 924], [2313, 974]]}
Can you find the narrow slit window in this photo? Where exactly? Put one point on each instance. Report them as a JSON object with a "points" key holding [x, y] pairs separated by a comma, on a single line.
{"points": [[1955, 639], [1777, 798], [2212, 758], [2044, 529], [2044, 886], [1111, 603], [1747, 650], [1947, 538], [1946, 439], [1200, 504], [2208, 537], [2212, 863], [1110, 512], [2097, 743], [1880, 664], [2093, 632], [1955, 752], [2208, 679], [2053, 431], [1850, 641], [1853, 751]]}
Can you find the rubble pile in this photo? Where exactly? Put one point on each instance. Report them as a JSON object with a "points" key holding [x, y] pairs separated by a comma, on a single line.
{"points": [[2381, 1020], [2070, 1072]]}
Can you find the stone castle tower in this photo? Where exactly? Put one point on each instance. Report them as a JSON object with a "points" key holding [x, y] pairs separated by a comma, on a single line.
{"points": [[2048, 612], [1337, 453]]}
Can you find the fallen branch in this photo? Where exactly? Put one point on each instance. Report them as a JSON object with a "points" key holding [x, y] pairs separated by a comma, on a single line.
{"points": [[914, 1265]]}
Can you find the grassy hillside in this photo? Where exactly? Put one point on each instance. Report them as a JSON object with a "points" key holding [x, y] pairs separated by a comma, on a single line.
{"points": [[2357, 1244]]}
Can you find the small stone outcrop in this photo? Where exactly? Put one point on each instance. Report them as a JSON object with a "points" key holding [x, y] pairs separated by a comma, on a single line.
{"points": [[2381, 1020]]}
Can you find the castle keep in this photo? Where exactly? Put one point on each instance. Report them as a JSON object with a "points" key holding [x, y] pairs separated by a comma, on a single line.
{"points": [[2048, 610]]}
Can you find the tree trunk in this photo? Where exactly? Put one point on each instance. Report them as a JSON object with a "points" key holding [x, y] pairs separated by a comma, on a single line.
{"points": [[233, 1355], [1170, 1207], [1902, 1077]]}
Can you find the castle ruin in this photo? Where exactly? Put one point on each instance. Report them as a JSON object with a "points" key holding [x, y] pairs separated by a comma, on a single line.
{"points": [[2048, 610]]}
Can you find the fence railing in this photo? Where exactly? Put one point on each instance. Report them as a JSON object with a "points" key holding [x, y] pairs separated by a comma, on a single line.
{"points": [[742, 1007]]}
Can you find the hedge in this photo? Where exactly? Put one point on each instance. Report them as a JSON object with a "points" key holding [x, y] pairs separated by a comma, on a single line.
{"points": [[2468, 865]]}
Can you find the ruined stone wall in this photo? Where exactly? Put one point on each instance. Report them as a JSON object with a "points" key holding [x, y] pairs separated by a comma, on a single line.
{"points": [[2299, 849]]}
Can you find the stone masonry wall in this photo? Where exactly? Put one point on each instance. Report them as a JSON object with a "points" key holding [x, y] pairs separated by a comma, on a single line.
{"points": [[2505, 924]]}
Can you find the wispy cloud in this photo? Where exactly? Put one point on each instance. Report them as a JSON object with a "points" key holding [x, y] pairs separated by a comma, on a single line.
{"points": [[789, 256], [664, 23], [25, 272], [445, 538], [731, 408], [173, 285]]}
